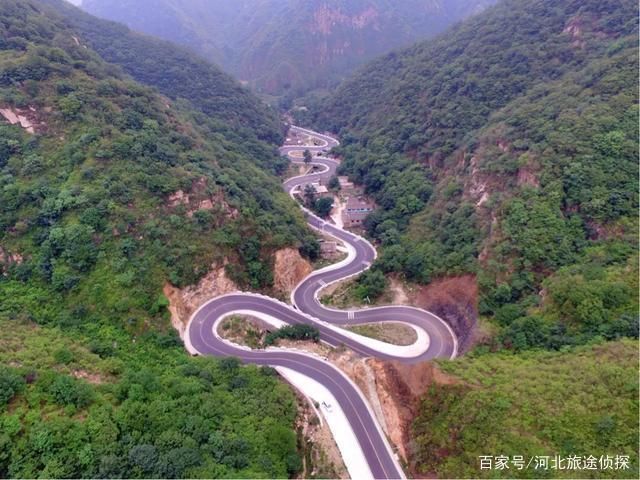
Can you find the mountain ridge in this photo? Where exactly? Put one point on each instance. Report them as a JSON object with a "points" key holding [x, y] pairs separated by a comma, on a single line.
{"points": [[110, 190], [439, 134], [209, 94], [295, 46]]}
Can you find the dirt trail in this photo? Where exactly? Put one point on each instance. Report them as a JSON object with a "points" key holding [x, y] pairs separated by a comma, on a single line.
{"points": [[400, 296]]}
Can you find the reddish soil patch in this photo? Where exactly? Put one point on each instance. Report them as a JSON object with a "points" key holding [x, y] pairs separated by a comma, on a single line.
{"points": [[455, 300], [400, 388], [289, 269]]}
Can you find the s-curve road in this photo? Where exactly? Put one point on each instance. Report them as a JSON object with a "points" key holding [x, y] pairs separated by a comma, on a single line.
{"points": [[202, 333]]}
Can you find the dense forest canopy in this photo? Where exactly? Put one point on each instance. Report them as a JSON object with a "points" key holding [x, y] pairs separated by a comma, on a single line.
{"points": [[176, 73], [94, 380], [508, 148]]}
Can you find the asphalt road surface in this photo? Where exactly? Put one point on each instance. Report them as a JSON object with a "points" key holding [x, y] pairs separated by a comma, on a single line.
{"points": [[307, 309]]}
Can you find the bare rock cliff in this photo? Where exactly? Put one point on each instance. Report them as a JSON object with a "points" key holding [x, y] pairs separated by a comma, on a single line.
{"points": [[289, 269], [183, 302]]}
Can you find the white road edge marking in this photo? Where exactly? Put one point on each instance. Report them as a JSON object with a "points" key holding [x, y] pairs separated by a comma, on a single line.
{"points": [[337, 421], [340, 427]]}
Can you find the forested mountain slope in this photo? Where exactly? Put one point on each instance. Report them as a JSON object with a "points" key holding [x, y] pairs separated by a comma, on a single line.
{"points": [[534, 403], [507, 147], [94, 176], [291, 46], [177, 73]]}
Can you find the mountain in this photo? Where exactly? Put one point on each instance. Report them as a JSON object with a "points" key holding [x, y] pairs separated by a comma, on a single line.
{"points": [[288, 46], [188, 77], [539, 398], [503, 156], [108, 191], [507, 148]]}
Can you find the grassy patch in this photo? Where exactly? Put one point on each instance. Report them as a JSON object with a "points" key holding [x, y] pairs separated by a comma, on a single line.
{"points": [[574, 402], [244, 330], [390, 332], [345, 295]]}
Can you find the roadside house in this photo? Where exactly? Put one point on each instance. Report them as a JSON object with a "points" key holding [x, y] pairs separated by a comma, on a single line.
{"points": [[355, 212], [346, 187]]}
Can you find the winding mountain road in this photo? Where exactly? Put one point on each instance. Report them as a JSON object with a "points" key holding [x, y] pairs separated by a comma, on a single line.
{"points": [[437, 338]]}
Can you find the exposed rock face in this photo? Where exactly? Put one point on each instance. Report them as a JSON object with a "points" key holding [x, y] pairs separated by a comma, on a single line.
{"points": [[478, 185], [574, 29], [7, 258], [528, 177], [24, 118], [289, 269], [200, 198], [184, 302]]}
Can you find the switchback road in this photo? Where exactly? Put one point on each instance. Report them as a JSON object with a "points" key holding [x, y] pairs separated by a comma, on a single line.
{"points": [[440, 339]]}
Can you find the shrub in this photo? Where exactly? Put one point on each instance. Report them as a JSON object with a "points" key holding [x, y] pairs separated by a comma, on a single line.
{"points": [[293, 332], [66, 390], [10, 385]]}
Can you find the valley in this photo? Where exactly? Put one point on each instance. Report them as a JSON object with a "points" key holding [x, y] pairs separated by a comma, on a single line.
{"points": [[434, 339], [316, 239], [285, 49]]}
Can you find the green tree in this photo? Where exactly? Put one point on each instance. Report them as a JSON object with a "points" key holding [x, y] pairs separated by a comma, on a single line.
{"points": [[145, 457], [293, 332], [10, 385], [322, 206], [371, 284], [66, 390], [309, 195], [310, 248]]}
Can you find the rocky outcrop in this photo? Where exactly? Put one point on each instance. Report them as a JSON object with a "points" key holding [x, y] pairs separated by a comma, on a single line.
{"points": [[24, 118], [289, 269], [200, 198]]}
